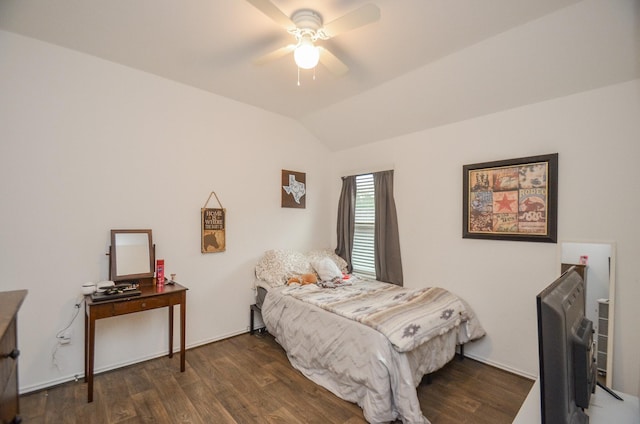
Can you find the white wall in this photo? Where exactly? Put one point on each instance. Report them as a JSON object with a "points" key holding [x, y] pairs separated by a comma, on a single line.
{"points": [[87, 146], [596, 135]]}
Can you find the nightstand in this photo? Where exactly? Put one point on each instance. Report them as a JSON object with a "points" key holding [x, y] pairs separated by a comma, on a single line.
{"points": [[252, 310]]}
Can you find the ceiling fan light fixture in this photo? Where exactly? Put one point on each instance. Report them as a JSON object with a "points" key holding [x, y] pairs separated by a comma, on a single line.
{"points": [[307, 26], [306, 55]]}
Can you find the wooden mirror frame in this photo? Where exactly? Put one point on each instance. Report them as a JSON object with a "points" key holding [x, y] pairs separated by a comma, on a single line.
{"points": [[113, 255]]}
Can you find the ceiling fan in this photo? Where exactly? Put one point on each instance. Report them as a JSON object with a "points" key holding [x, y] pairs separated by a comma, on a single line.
{"points": [[307, 27]]}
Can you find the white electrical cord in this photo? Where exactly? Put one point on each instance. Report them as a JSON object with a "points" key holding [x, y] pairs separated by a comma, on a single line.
{"points": [[60, 335]]}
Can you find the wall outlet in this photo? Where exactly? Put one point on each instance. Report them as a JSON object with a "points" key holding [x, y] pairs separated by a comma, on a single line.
{"points": [[66, 334]]}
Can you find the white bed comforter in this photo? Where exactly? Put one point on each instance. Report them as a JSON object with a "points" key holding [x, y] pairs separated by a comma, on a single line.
{"points": [[357, 362]]}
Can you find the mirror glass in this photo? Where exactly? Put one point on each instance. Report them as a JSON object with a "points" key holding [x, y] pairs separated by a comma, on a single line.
{"points": [[131, 255], [600, 289]]}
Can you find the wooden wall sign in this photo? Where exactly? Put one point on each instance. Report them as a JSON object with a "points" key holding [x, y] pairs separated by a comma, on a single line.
{"points": [[212, 225], [293, 189]]}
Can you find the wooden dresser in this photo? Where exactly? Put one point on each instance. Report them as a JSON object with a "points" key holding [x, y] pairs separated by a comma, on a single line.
{"points": [[10, 302]]}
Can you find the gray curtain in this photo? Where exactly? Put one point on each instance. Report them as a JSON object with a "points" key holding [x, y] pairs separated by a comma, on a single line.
{"points": [[387, 239], [346, 219]]}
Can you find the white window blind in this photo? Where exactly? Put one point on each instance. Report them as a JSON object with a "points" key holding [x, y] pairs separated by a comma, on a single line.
{"points": [[362, 254]]}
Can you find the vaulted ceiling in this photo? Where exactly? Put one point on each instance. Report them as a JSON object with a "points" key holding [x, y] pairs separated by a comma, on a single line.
{"points": [[424, 63]]}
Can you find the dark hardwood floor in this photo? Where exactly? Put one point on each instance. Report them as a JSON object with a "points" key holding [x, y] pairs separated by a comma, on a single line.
{"points": [[248, 379]]}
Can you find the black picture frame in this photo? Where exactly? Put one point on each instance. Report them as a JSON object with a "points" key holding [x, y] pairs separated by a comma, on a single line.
{"points": [[513, 199]]}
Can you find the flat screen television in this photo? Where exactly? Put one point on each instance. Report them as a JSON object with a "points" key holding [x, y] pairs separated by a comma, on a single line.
{"points": [[566, 352]]}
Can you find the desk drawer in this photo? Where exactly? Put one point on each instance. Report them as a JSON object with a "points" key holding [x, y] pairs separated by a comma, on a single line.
{"points": [[138, 305]]}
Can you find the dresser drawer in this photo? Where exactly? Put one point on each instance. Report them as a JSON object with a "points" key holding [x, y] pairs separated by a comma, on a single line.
{"points": [[10, 302], [138, 305], [9, 397], [7, 345]]}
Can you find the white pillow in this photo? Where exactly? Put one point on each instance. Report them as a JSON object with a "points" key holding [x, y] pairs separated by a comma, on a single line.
{"points": [[326, 269], [318, 254]]}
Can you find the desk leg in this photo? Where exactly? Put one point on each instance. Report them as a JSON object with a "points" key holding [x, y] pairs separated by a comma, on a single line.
{"points": [[170, 331], [86, 342], [90, 353], [183, 321]]}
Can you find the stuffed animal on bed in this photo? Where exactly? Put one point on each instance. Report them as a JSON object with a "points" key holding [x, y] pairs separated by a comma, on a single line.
{"points": [[303, 279]]}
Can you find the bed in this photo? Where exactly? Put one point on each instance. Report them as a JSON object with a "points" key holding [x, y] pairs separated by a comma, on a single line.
{"points": [[355, 337]]}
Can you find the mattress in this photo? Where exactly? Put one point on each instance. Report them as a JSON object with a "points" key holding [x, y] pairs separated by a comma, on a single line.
{"points": [[261, 293], [262, 287], [356, 362]]}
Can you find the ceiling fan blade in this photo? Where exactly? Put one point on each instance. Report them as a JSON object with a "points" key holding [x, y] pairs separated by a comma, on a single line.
{"points": [[269, 9], [333, 64], [365, 15], [276, 54]]}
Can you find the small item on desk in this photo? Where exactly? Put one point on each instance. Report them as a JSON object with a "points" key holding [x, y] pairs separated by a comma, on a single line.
{"points": [[119, 288], [103, 286], [172, 280], [115, 293], [160, 272], [88, 288]]}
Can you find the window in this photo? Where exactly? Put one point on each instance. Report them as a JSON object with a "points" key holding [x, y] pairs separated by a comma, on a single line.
{"points": [[362, 254], [367, 227]]}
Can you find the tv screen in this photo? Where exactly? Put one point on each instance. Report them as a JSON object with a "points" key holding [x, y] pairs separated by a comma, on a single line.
{"points": [[565, 344]]}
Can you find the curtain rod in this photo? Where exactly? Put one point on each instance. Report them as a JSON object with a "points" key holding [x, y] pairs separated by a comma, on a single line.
{"points": [[360, 172]]}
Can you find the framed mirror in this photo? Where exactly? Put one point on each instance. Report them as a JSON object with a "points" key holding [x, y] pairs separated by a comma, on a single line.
{"points": [[599, 261], [132, 255]]}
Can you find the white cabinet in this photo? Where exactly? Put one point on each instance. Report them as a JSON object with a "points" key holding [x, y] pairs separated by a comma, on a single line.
{"points": [[603, 335]]}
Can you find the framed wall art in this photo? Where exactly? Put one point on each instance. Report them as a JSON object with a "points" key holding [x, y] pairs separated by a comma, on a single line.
{"points": [[294, 189], [514, 199], [212, 227]]}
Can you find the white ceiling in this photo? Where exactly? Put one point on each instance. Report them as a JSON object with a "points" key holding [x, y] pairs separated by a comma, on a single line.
{"points": [[424, 63]]}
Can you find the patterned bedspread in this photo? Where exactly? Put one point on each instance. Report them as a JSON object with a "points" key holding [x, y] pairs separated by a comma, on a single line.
{"points": [[357, 362], [407, 317]]}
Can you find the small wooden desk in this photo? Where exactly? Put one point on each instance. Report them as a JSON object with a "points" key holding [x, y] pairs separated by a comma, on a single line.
{"points": [[151, 298]]}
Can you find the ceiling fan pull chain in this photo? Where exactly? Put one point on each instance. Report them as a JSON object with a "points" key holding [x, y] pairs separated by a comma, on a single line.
{"points": [[298, 77], [314, 73]]}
